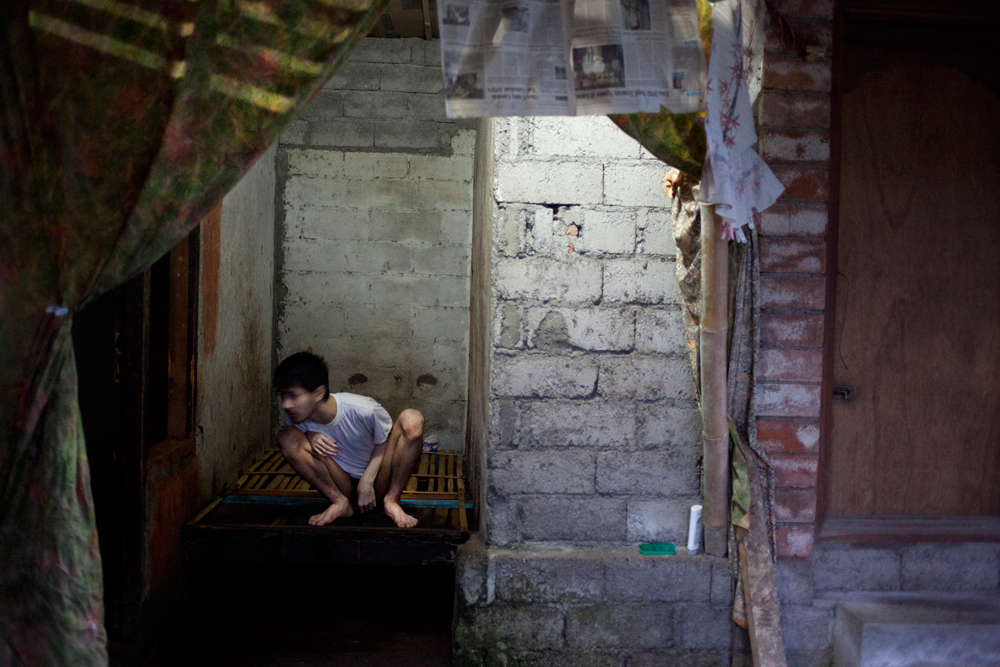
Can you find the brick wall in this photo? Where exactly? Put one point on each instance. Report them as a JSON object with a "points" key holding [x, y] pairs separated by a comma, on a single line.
{"points": [[375, 211]]}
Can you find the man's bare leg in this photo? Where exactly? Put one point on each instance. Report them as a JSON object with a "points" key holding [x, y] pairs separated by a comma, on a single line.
{"points": [[321, 471], [402, 454]]}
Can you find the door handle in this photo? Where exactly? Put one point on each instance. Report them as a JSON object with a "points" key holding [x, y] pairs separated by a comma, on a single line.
{"points": [[846, 394]]}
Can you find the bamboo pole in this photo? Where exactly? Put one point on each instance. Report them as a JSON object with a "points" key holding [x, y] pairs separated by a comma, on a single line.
{"points": [[714, 328]]}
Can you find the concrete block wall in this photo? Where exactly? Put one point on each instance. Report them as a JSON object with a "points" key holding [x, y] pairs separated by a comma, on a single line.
{"points": [[595, 428], [594, 433], [375, 211]]}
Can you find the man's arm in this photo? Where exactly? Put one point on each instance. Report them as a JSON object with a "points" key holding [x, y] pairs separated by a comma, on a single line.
{"points": [[366, 485]]}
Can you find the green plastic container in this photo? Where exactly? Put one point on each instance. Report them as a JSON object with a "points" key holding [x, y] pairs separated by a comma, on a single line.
{"points": [[657, 549]]}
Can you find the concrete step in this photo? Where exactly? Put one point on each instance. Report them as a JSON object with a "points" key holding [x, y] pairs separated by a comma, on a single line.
{"points": [[917, 630]]}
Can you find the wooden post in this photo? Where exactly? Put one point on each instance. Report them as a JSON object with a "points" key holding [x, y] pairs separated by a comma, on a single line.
{"points": [[714, 327]]}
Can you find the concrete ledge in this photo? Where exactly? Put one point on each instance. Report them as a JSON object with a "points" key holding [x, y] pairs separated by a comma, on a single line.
{"points": [[897, 629]]}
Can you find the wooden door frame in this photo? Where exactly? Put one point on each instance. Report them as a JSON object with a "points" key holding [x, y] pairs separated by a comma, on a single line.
{"points": [[900, 22]]}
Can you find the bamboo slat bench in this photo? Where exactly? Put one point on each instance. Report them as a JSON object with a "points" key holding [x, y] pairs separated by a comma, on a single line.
{"points": [[265, 519]]}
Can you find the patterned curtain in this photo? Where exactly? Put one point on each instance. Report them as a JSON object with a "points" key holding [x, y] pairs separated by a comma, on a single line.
{"points": [[122, 123]]}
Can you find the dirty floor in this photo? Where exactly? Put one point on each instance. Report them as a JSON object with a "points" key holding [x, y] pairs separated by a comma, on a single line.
{"points": [[270, 615]]}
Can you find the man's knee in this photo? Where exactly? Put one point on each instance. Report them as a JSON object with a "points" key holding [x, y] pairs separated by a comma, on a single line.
{"points": [[412, 423], [289, 440]]}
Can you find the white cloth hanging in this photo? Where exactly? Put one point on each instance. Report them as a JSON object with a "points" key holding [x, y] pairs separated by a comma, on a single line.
{"points": [[734, 177]]}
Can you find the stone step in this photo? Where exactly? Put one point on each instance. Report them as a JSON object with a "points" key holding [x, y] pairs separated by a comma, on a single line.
{"points": [[917, 630]]}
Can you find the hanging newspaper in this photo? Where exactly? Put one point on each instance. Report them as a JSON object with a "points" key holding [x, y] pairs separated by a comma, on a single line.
{"points": [[560, 58]]}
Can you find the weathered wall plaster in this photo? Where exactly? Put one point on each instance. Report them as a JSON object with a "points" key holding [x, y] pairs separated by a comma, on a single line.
{"points": [[234, 394], [376, 197]]}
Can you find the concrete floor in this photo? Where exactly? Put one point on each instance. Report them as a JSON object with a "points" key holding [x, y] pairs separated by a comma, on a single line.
{"points": [[297, 616]]}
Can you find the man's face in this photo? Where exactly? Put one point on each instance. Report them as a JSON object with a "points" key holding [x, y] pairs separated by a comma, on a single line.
{"points": [[300, 403]]}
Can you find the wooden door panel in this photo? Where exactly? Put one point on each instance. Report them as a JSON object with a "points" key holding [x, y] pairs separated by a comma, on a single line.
{"points": [[918, 304]]}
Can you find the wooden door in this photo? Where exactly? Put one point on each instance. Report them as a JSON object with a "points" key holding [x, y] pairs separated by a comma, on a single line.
{"points": [[915, 433]]}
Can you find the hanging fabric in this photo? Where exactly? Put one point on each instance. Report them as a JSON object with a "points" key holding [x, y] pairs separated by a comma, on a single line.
{"points": [[734, 177], [122, 123]]}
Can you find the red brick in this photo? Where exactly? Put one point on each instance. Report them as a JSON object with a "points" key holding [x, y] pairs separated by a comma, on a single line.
{"points": [[777, 330], [785, 218], [787, 400], [791, 365], [805, 183], [788, 437], [783, 72], [805, 292], [798, 505], [794, 109], [795, 470], [794, 540], [794, 146], [791, 255], [804, 8]]}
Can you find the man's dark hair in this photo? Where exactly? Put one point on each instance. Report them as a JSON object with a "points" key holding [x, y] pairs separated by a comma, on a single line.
{"points": [[302, 369]]}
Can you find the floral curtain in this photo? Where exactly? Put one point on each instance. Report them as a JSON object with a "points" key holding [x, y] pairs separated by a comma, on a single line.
{"points": [[122, 123]]}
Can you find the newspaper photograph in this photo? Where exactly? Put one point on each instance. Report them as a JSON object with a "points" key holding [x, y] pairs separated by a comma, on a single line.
{"points": [[565, 58]]}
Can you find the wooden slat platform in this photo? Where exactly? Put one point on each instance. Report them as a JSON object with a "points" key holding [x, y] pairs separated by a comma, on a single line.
{"points": [[266, 519]]}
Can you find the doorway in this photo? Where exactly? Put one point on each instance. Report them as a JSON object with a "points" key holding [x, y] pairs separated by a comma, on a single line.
{"points": [[914, 446]]}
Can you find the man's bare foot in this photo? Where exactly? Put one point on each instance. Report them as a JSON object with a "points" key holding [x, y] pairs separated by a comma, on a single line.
{"points": [[396, 513], [338, 510]]}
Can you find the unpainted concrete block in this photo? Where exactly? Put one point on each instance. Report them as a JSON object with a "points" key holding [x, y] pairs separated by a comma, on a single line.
{"points": [[344, 132], [368, 166], [705, 626], [951, 567], [855, 568], [542, 472], [640, 280], [326, 105], [295, 134], [412, 79], [645, 378], [659, 520], [443, 195], [427, 107], [553, 578], [447, 324], [375, 194], [646, 473], [549, 518], [687, 658], [795, 580], [347, 256], [463, 141], [722, 582], [582, 136], [376, 104], [328, 223], [375, 50], [442, 260], [355, 76], [807, 627], [438, 168], [377, 289], [592, 423], [543, 376], [407, 134], [428, 226], [593, 329], [548, 280], [622, 626], [526, 626], [660, 330], [670, 425], [549, 182], [601, 231], [635, 184], [659, 579]]}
